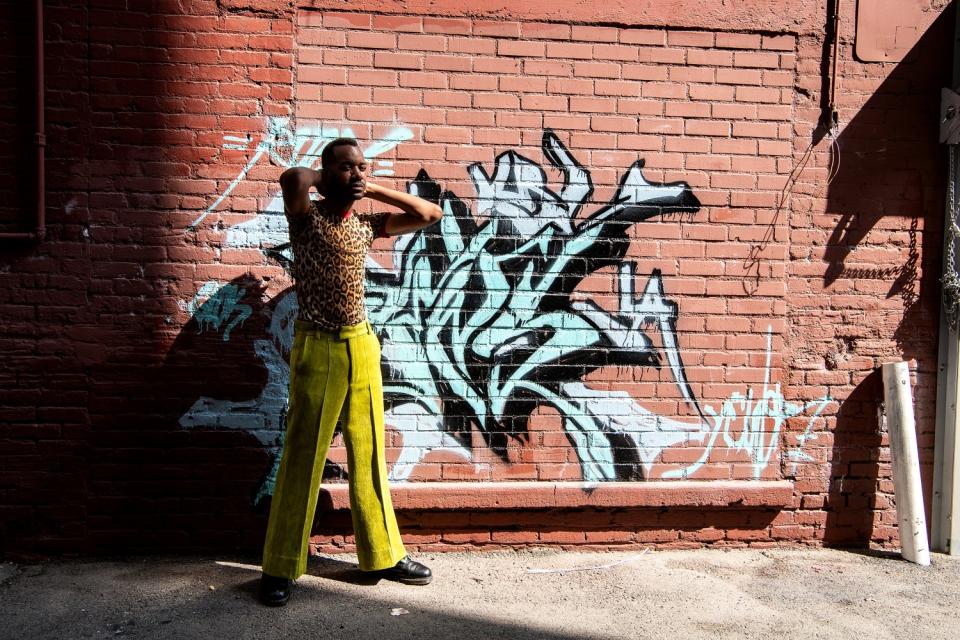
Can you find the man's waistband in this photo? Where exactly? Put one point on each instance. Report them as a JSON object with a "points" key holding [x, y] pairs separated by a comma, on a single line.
{"points": [[343, 333]]}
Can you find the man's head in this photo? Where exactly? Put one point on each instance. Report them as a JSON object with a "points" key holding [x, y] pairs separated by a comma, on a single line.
{"points": [[344, 170]]}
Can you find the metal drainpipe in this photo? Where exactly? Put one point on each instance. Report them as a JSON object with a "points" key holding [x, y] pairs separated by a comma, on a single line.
{"points": [[945, 510], [39, 140]]}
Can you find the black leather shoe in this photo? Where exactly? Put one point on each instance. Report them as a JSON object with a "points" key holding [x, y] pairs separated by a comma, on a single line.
{"points": [[406, 571], [274, 591]]}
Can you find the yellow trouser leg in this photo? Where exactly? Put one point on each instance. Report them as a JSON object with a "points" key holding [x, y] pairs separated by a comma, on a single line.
{"points": [[324, 370], [374, 522]]}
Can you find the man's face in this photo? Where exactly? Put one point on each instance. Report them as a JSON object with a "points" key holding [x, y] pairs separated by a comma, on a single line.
{"points": [[345, 178]]}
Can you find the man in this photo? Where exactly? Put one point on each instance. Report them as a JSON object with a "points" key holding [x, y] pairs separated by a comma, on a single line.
{"points": [[335, 369]]}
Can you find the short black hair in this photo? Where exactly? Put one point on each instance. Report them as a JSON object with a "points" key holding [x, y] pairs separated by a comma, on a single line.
{"points": [[326, 156]]}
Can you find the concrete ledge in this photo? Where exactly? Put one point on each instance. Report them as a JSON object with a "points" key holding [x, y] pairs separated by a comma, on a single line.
{"points": [[551, 495]]}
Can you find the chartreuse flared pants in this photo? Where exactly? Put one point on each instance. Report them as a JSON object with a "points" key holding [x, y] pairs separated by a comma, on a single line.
{"points": [[332, 373]]}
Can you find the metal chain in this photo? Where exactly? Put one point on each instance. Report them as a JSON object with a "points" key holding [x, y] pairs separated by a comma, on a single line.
{"points": [[951, 279]]}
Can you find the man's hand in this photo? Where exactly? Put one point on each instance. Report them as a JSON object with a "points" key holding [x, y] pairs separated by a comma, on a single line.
{"points": [[417, 212], [318, 182]]}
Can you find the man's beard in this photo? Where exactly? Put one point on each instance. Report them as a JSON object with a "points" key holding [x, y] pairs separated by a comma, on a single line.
{"points": [[345, 193]]}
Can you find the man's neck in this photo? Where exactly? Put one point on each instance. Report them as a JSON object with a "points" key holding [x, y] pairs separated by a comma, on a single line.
{"points": [[338, 208]]}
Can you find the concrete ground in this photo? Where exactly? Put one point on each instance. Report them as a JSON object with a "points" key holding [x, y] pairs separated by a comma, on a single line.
{"points": [[528, 594]]}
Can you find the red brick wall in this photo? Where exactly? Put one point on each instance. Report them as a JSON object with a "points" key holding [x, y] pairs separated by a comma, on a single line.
{"points": [[144, 339]]}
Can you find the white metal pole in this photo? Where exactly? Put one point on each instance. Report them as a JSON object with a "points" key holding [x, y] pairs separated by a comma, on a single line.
{"points": [[898, 399]]}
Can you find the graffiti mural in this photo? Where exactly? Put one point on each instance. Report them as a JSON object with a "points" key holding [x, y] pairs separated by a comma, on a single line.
{"points": [[216, 305], [480, 325]]}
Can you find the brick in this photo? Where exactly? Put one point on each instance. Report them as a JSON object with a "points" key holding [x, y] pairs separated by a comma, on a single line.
{"points": [[710, 57], [342, 57], [692, 74], [711, 92], [687, 109], [665, 126], [372, 113], [755, 129], [547, 68], [641, 107], [496, 136], [609, 123], [480, 46], [757, 94], [399, 96], [570, 86], [663, 90], [472, 82], [778, 79], [615, 52], [323, 75], [569, 50], [373, 77], [446, 134], [419, 115], [544, 103], [398, 23], [645, 72], [779, 43], [738, 41], [427, 80], [519, 120], [734, 111], [687, 145], [643, 36], [593, 140], [447, 63], [690, 39], [618, 88], [595, 34], [417, 42], [371, 40], [593, 105], [734, 146], [336, 20], [661, 55], [739, 76], [775, 148], [520, 48], [544, 31], [495, 101], [320, 37], [496, 28], [556, 121], [756, 59], [498, 65], [385, 59], [526, 84], [346, 94], [456, 26], [773, 112], [593, 69]]}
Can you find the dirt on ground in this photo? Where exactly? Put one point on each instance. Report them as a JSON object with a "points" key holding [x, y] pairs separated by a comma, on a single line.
{"points": [[549, 594]]}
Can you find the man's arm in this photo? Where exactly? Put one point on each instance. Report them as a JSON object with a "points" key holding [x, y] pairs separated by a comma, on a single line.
{"points": [[295, 183], [417, 212]]}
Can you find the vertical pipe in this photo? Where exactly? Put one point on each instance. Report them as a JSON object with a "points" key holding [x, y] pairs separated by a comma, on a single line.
{"points": [[911, 519], [40, 140], [945, 510]]}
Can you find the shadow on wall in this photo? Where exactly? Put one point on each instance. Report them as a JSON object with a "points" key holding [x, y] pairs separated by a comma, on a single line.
{"points": [[152, 484], [17, 168], [887, 195]]}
